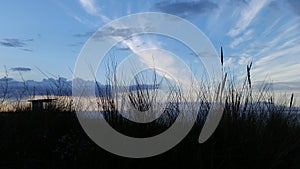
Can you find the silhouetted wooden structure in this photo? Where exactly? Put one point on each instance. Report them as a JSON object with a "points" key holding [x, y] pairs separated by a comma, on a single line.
{"points": [[40, 104]]}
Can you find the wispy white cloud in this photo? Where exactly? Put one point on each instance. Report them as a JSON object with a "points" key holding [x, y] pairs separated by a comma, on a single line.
{"points": [[286, 72], [283, 53], [276, 39], [268, 30], [137, 45], [245, 37], [91, 8], [149, 52], [228, 62], [243, 60], [280, 65], [246, 16], [84, 21], [290, 43]]}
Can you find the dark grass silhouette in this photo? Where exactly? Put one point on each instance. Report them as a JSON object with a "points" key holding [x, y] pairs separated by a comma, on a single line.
{"points": [[252, 133], [54, 139]]}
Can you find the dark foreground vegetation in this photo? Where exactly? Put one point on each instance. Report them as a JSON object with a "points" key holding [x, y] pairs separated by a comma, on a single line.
{"points": [[54, 139]]}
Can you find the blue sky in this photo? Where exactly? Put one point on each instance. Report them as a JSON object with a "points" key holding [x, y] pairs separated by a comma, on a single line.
{"points": [[49, 34]]}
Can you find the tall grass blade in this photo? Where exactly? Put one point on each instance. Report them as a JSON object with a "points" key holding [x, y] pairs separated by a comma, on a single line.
{"points": [[222, 57], [249, 74], [291, 101]]}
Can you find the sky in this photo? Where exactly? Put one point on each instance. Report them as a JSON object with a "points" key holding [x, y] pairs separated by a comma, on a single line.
{"points": [[44, 38]]}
